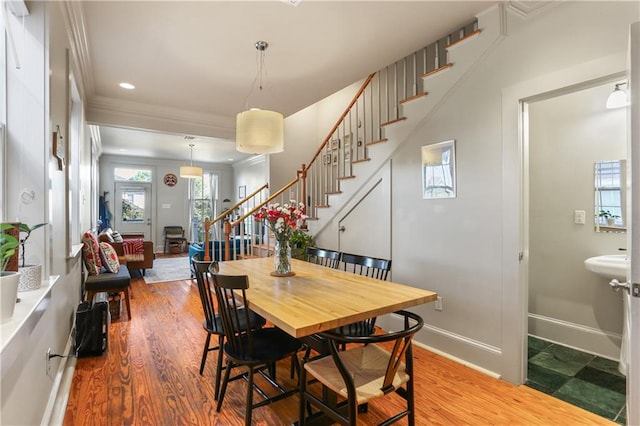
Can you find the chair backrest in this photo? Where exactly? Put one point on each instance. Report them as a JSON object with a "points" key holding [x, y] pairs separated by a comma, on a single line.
{"points": [[234, 313], [319, 256], [205, 288], [364, 265], [401, 349], [173, 232]]}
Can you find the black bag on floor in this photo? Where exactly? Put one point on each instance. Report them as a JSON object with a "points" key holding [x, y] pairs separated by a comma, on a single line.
{"points": [[92, 326]]}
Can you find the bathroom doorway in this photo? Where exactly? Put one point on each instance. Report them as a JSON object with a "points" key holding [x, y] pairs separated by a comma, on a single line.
{"points": [[574, 319]]}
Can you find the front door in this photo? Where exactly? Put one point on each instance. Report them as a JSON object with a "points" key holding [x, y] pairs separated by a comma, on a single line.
{"points": [[133, 208]]}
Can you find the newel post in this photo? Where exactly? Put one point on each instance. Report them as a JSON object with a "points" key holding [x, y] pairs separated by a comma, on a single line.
{"points": [[227, 233]]}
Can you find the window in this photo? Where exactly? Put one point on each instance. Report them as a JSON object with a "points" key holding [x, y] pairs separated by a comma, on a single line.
{"points": [[608, 193], [131, 174], [204, 194]]}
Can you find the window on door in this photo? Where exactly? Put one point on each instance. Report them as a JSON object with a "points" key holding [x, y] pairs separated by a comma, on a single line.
{"points": [[203, 201], [121, 174]]}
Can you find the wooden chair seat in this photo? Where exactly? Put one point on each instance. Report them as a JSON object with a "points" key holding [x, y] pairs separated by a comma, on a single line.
{"points": [[367, 364]]}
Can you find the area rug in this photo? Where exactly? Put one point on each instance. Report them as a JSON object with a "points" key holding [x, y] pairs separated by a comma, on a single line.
{"points": [[169, 269]]}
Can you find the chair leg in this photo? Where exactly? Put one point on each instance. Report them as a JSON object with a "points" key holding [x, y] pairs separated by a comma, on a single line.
{"points": [[126, 299], [302, 385], [219, 367], [249, 409], [223, 389], [204, 353]]}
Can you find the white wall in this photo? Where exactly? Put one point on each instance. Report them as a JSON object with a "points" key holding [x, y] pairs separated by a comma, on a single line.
{"points": [[37, 101], [251, 173], [570, 305], [458, 245]]}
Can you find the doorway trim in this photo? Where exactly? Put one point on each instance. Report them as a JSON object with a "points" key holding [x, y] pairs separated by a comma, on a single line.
{"points": [[515, 256]]}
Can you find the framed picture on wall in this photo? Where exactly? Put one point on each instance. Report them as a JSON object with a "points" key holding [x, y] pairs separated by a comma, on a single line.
{"points": [[439, 170], [242, 191]]}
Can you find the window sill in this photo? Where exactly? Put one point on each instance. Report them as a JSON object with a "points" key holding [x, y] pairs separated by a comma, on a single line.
{"points": [[26, 315]]}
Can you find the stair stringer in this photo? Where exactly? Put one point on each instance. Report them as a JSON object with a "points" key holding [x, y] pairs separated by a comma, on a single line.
{"points": [[440, 86]]}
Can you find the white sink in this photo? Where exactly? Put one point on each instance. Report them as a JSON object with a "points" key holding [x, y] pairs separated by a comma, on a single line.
{"points": [[609, 266]]}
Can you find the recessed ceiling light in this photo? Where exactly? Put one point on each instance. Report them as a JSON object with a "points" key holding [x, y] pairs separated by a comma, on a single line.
{"points": [[292, 2], [229, 159], [127, 86]]}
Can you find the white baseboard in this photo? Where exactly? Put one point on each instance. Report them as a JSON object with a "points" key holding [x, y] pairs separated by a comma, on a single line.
{"points": [[57, 403], [471, 353], [577, 336]]}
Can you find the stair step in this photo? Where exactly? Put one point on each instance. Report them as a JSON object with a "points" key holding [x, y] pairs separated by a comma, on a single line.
{"points": [[346, 177], [437, 70], [393, 121], [414, 97], [377, 141], [463, 39], [362, 160], [322, 206], [333, 193]]}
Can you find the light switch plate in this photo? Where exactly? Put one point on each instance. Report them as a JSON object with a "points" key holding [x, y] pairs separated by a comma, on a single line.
{"points": [[579, 217]]}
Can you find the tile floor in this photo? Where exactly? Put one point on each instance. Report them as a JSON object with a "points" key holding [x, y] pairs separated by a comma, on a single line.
{"points": [[585, 380]]}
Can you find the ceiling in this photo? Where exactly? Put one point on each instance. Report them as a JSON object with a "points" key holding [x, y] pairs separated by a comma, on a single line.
{"points": [[193, 63]]}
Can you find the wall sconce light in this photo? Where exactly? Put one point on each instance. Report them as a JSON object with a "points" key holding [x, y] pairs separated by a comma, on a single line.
{"points": [[617, 98]]}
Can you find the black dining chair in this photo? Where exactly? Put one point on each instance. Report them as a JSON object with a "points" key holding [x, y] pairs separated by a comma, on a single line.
{"points": [[364, 265], [212, 322], [371, 267], [256, 350], [324, 257], [363, 372]]}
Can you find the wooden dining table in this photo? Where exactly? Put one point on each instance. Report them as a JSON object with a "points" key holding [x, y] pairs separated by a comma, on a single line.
{"points": [[318, 298]]}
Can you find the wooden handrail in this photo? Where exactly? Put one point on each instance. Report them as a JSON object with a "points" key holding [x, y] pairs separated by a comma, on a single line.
{"points": [[230, 225], [238, 204], [342, 117]]}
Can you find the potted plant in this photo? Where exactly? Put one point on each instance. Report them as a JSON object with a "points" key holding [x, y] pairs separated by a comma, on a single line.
{"points": [[609, 217], [299, 241], [30, 275], [8, 279]]}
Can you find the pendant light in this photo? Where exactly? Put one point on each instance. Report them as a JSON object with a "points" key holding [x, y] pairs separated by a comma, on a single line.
{"points": [[617, 98], [191, 171], [259, 131]]}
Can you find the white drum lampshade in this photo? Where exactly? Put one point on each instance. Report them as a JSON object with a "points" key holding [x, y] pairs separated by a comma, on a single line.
{"points": [[259, 132], [190, 172]]}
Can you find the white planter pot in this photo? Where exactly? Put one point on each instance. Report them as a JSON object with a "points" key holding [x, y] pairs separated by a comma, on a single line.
{"points": [[30, 277], [8, 294]]}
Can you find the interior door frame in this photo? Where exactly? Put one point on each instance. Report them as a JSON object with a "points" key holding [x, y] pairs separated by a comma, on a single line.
{"points": [[633, 372], [515, 255]]}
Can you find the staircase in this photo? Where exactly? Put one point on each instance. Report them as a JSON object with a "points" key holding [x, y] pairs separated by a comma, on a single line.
{"points": [[389, 106]]}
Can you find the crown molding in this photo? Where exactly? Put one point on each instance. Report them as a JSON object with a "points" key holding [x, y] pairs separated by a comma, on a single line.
{"points": [[527, 8], [74, 22], [122, 113]]}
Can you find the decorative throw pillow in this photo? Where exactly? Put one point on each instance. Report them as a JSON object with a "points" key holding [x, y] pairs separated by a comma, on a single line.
{"points": [[91, 253], [109, 258], [117, 237]]}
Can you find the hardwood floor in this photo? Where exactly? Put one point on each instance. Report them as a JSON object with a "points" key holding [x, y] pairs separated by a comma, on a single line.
{"points": [[149, 376]]}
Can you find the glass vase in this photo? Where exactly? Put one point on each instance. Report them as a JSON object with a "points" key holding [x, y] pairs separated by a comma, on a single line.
{"points": [[282, 259]]}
